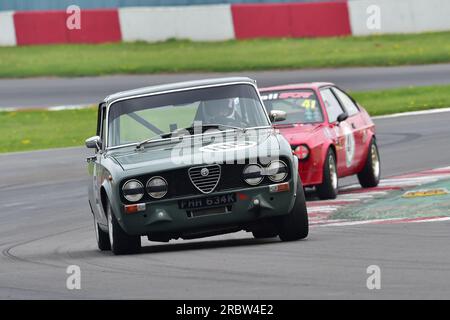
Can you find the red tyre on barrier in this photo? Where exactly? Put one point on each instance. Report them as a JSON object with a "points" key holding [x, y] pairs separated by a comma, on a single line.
{"points": [[331, 134]]}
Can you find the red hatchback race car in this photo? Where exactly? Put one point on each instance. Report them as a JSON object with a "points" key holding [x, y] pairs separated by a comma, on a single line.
{"points": [[331, 134]]}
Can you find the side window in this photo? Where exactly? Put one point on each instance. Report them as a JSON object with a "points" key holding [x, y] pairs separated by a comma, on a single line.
{"points": [[103, 133], [349, 106], [101, 120], [332, 105]]}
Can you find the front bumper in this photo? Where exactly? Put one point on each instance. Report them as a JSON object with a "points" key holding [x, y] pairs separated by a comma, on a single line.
{"points": [[165, 217], [310, 172]]}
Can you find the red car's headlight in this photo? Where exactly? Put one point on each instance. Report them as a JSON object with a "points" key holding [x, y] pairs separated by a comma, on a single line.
{"points": [[302, 152]]}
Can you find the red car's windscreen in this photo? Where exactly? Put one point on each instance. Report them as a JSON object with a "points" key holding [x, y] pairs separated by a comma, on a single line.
{"points": [[301, 106]]}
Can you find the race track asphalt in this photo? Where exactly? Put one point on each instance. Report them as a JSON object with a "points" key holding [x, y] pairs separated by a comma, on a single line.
{"points": [[46, 92], [45, 226]]}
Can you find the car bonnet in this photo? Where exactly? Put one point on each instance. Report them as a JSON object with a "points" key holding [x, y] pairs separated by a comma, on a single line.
{"points": [[191, 151], [299, 132]]}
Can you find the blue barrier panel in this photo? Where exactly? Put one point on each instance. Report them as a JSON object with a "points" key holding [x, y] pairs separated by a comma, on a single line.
{"points": [[88, 4]]}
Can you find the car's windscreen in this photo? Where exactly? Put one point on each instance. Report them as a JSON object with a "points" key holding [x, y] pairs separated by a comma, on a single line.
{"points": [[137, 119], [301, 106]]}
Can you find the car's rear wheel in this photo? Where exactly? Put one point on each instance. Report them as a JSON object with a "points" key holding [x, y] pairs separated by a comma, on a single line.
{"points": [[329, 187], [295, 226], [102, 237], [369, 176], [121, 242]]}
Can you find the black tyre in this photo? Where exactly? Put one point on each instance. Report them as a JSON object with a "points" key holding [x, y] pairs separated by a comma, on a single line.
{"points": [[121, 242], [329, 187], [295, 226], [265, 232], [369, 176], [102, 237]]}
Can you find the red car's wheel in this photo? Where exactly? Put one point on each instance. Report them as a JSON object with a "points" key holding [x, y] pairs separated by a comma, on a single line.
{"points": [[329, 187], [369, 177]]}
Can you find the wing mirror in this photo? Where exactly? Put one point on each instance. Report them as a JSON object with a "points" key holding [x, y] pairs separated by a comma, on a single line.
{"points": [[342, 117], [94, 143], [277, 115]]}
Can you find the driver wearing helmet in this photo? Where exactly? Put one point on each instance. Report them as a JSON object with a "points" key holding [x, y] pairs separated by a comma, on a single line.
{"points": [[220, 111]]}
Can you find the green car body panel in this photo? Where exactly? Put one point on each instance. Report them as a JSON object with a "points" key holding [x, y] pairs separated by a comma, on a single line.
{"points": [[163, 219]]}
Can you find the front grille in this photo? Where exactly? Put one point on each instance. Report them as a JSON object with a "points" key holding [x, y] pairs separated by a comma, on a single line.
{"points": [[205, 178], [181, 184]]}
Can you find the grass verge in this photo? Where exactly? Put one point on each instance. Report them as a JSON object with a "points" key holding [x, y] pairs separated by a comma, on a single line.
{"points": [[31, 130], [259, 54], [382, 102]]}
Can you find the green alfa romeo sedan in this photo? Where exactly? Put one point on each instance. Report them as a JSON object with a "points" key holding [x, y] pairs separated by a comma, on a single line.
{"points": [[190, 160]]}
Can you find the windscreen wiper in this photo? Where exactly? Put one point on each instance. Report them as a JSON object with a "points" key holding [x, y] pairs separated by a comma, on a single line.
{"points": [[215, 126], [152, 139], [169, 134]]}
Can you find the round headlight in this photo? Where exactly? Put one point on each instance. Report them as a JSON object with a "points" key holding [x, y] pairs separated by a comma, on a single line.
{"points": [[302, 152], [157, 187], [133, 190], [277, 171], [253, 174]]}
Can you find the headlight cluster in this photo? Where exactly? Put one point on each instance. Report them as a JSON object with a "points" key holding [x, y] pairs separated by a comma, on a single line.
{"points": [[133, 190], [253, 174], [276, 171], [157, 187], [302, 151]]}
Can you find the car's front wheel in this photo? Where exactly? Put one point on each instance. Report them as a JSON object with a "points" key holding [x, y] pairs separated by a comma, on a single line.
{"points": [[265, 231], [369, 176], [329, 187], [102, 237], [121, 242], [295, 225]]}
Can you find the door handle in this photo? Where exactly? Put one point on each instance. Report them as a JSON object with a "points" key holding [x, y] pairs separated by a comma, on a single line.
{"points": [[91, 159], [353, 126]]}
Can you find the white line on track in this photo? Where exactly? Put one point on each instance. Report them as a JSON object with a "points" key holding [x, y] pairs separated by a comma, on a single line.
{"points": [[376, 221], [8, 109], [55, 108], [431, 220], [346, 198], [358, 196], [410, 180], [441, 169], [413, 113], [73, 107], [406, 183], [326, 209]]}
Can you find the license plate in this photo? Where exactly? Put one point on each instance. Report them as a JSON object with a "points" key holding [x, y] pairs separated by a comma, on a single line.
{"points": [[207, 202]]}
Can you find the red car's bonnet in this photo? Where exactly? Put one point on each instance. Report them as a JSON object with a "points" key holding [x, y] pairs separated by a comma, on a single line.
{"points": [[298, 133]]}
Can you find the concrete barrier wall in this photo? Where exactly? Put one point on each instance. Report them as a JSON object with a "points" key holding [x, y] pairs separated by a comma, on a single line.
{"points": [[7, 29], [431, 15], [400, 16], [320, 19], [223, 22], [97, 26], [14, 5], [201, 23], [41, 27], [291, 20], [49, 27], [255, 20]]}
